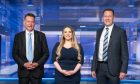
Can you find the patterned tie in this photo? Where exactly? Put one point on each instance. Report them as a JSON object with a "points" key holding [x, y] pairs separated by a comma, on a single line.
{"points": [[105, 45], [30, 54]]}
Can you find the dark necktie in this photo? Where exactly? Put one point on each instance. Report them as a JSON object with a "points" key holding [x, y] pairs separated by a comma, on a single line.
{"points": [[105, 45]]}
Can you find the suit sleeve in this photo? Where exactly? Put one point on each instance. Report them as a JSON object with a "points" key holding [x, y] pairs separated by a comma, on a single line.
{"points": [[15, 51], [45, 51], [94, 61], [124, 52]]}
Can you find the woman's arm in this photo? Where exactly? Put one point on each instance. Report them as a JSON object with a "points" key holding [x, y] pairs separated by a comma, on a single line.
{"points": [[79, 64], [57, 66]]}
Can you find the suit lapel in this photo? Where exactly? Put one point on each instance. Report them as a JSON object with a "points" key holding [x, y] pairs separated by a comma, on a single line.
{"points": [[35, 42], [111, 37], [24, 42], [99, 34]]}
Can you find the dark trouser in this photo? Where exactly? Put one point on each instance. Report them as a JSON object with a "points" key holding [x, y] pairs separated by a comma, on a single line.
{"points": [[103, 75], [30, 80]]}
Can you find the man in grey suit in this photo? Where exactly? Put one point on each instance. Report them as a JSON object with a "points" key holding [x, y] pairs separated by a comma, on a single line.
{"points": [[110, 59]]}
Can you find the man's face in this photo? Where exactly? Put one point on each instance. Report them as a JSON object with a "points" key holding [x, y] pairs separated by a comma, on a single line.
{"points": [[29, 23], [108, 18]]}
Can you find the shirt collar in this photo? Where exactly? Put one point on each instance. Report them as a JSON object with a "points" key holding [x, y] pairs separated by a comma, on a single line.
{"points": [[110, 27], [32, 32]]}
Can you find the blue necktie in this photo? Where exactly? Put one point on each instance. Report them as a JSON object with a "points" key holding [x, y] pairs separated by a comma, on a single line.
{"points": [[30, 54], [105, 46]]}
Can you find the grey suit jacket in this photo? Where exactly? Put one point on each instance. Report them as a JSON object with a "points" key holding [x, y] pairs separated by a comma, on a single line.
{"points": [[117, 51]]}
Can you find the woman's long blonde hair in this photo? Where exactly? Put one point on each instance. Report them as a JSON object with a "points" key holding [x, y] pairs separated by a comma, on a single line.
{"points": [[74, 44]]}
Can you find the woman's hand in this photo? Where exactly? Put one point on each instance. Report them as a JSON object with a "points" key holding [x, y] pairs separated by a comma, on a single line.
{"points": [[71, 72], [68, 72]]}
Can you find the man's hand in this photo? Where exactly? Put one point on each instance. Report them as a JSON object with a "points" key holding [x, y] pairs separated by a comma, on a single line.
{"points": [[34, 65], [28, 65], [122, 75], [93, 73]]}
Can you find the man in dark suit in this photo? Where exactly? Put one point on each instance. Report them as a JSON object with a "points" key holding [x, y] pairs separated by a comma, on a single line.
{"points": [[110, 59], [30, 51]]}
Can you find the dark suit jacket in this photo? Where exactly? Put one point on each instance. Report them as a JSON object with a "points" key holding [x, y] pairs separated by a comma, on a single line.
{"points": [[41, 53], [117, 51]]}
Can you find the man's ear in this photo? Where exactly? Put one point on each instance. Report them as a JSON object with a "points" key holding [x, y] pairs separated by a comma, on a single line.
{"points": [[24, 22]]}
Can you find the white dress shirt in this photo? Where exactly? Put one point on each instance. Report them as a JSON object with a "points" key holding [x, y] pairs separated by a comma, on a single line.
{"points": [[27, 38], [100, 52]]}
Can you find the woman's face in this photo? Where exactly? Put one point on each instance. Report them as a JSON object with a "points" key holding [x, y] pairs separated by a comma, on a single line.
{"points": [[67, 34]]}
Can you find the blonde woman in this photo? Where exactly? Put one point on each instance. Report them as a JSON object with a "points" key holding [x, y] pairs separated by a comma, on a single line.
{"points": [[67, 57]]}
